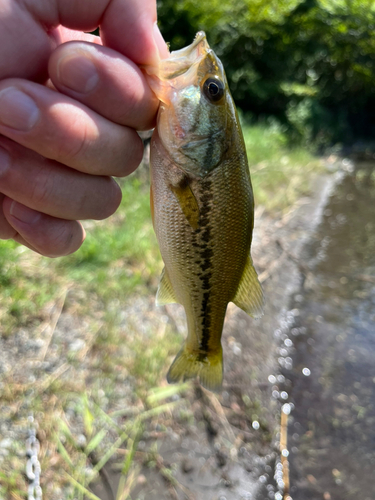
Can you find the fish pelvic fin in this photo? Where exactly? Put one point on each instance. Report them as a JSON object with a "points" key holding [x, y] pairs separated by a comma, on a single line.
{"points": [[249, 296], [165, 293], [208, 367], [188, 203]]}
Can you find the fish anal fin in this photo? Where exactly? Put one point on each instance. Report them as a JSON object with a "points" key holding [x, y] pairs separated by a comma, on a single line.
{"points": [[249, 296], [165, 293], [190, 364], [188, 203]]}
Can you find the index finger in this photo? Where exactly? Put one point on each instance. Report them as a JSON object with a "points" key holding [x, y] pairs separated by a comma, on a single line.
{"points": [[28, 31], [130, 27]]}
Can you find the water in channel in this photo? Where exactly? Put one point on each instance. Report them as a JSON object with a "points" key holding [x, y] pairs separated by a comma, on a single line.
{"points": [[332, 382]]}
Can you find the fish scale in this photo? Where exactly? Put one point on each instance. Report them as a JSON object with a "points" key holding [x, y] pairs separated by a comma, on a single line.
{"points": [[202, 204]]}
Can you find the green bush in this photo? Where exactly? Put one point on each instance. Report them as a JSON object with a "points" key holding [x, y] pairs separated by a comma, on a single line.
{"points": [[309, 63]]}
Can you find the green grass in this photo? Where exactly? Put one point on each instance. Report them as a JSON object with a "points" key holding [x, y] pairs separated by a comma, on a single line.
{"points": [[105, 436], [120, 253], [120, 256], [280, 172], [105, 286], [26, 285]]}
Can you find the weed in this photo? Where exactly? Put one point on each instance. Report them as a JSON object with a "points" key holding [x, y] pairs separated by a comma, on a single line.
{"points": [[280, 173], [80, 346]]}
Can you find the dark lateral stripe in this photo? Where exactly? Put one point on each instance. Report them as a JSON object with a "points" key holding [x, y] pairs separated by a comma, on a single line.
{"points": [[206, 255], [207, 161]]}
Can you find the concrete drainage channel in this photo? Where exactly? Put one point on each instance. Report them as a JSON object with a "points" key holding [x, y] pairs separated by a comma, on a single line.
{"points": [[332, 381]]}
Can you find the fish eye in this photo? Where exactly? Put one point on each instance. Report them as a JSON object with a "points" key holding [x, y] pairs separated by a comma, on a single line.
{"points": [[213, 89]]}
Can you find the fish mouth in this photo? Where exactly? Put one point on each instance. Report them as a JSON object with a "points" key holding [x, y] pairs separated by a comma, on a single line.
{"points": [[180, 61], [199, 42], [164, 76]]}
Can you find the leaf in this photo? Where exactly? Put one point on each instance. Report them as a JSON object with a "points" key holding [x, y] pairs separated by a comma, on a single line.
{"points": [[66, 431], [133, 446], [88, 417], [95, 441], [63, 452], [159, 393], [110, 452], [81, 488]]}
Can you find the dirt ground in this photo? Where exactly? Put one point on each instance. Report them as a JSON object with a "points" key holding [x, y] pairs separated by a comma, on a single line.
{"points": [[230, 449]]}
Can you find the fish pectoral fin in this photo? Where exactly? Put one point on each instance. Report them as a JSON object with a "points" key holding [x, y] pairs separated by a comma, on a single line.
{"points": [[208, 367], [188, 203], [165, 293], [249, 296]]}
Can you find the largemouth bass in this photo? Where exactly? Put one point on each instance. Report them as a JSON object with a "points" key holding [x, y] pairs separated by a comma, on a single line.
{"points": [[202, 206]]}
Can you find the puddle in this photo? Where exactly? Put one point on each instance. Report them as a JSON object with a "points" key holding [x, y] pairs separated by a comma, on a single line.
{"points": [[332, 382]]}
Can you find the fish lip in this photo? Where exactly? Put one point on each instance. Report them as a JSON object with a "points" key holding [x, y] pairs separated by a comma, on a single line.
{"points": [[187, 51], [181, 61], [163, 76]]}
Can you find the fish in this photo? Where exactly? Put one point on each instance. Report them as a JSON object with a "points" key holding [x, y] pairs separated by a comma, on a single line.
{"points": [[202, 206]]}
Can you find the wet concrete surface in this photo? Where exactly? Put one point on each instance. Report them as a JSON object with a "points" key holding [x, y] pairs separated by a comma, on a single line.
{"points": [[332, 381]]}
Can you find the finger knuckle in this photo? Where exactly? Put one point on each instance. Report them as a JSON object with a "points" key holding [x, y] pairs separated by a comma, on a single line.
{"points": [[76, 145], [42, 190]]}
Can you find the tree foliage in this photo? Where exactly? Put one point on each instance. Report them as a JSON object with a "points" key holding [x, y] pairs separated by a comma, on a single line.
{"points": [[310, 63]]}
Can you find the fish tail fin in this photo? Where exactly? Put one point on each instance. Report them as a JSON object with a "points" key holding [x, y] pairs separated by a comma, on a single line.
{"points": [[190, 364]]}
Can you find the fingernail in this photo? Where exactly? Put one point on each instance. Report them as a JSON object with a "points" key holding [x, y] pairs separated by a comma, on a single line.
{"points": [[17, 110], [24, 214], [160, 42], [78, 73]]}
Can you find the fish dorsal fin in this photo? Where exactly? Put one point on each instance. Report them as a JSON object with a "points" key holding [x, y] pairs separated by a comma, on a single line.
{"points": [[249, 296], [165, 293], [188, 203]]}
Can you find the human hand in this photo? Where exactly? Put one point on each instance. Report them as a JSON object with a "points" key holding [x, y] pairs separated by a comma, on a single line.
{"points": [[59, 149]]}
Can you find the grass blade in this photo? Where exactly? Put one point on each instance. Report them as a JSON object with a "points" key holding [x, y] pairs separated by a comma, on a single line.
{"points": [[110, 452], [88, 417], [62, 450], [133, 448], [81, 488], [95, 441], [159, 393]]}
